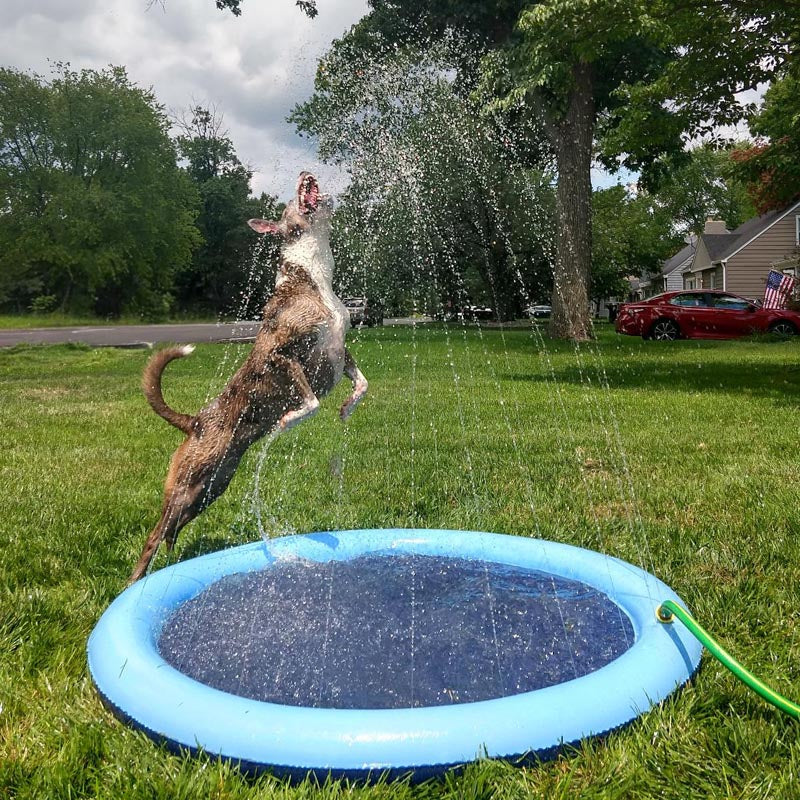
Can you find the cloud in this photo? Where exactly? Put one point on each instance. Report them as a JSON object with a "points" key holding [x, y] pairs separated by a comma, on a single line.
{"points": [[253, 69]]}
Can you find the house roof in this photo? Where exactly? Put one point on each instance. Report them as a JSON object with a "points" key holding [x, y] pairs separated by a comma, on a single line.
{"points": [[723, 245], [671, 264], [718, 244]]}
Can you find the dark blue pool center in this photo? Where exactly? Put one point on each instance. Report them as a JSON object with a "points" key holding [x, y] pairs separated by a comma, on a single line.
{"points": [[383, 631]]}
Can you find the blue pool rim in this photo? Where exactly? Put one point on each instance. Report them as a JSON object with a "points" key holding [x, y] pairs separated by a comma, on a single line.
{"points": [[145, 691]]}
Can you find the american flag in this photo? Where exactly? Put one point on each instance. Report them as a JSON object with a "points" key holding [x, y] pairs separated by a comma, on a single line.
{"points": [[779, 288]]}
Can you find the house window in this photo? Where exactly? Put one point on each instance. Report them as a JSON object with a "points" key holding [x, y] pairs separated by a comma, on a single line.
{"points": [[712, 280], [691, 283], [797, 230]]}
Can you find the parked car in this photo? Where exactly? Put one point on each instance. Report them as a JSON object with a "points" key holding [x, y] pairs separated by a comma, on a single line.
{"points": [[703, 314], [363, 311], [478, 313], [537, 312]]}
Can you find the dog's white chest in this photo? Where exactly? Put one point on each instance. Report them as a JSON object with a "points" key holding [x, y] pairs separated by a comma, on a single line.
{"points": [[332, 333], [313, 252]]}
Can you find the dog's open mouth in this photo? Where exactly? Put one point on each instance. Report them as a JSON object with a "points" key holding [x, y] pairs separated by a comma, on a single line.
{"points": [[307, 193]]}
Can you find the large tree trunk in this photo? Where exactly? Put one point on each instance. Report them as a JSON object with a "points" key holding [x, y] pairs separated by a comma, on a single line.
{"points": [[573, 143]]}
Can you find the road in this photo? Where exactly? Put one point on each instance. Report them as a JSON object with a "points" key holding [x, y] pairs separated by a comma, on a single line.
{"points": [[133, 335], [141, 335]]}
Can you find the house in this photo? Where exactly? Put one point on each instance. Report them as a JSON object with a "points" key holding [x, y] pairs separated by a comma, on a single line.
{"points": [[672, 269], [735, 261], [738, 261]]}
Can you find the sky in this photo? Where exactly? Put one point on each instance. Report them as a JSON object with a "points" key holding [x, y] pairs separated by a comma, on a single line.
{"points": [[253, 69]]}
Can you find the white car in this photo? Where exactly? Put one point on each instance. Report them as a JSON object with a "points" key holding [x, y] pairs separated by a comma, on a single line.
{"points": [[538, 311], [363, 312]]}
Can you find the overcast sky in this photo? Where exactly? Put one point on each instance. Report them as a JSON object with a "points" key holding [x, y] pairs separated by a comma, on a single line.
{"points": [[252, 68]]}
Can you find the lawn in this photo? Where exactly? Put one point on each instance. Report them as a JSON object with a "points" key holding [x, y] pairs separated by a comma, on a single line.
{"points": [[680, 457]]}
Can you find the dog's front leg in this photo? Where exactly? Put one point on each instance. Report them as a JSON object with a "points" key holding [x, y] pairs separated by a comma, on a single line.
{"points": [[360, 386], [310, 404]]}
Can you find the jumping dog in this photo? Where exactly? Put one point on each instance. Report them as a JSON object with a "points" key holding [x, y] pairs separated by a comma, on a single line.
{"points": [[299, 355]]}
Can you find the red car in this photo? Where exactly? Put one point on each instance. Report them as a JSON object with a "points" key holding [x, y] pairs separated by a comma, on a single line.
{"points": [[703, 314]]}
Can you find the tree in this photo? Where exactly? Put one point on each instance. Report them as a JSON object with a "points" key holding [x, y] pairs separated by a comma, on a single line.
{"points": [[636, 75], [96, 216], [771, 167], [699, 183], [632, 235], [217, 274], [433, 198]]}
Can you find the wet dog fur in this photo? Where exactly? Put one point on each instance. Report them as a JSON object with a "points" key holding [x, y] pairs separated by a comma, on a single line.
{"points": [[299, 355]]}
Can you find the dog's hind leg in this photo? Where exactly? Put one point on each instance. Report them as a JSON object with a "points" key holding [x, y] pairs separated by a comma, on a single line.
{"points": [[178, 511], [194, 481], [157, 535], [360, 386]]}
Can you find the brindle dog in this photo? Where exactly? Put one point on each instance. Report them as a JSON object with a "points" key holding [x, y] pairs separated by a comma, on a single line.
{"points": [[299, 355]]}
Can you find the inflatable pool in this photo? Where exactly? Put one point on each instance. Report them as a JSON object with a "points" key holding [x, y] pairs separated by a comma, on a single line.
{"points": [[362, 652]]}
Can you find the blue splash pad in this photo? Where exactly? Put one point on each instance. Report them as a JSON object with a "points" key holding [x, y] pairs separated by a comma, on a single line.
{"points": [[384, 720]]}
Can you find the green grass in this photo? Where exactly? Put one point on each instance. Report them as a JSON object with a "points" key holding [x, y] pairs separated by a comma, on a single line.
{"points": [[680, 457], [59, 320]]}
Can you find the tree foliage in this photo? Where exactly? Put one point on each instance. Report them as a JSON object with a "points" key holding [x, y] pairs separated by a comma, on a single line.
{"points": [[434, 209], [629, 79], [308, 7], [717, 49], [94, 212], [216, 277], [632, 234], [636, 77], [771, 166], [700, 183]]}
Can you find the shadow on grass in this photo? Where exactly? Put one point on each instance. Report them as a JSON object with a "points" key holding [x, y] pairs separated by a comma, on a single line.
{"points": [[751, 377], [204, 544]]}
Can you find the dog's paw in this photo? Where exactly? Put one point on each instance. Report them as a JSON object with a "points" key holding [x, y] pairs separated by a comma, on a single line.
{"points": [[349, 406]]}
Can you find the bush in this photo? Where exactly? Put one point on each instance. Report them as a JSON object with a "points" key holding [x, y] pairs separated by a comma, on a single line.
{"points": [[43, 304]]}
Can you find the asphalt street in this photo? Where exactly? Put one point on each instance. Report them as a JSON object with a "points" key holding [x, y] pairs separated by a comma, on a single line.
{"points": [[141, 335], [132, 335]]}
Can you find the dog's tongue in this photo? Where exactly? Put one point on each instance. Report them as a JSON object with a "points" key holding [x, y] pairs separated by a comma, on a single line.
{"points": [[309, 193]]}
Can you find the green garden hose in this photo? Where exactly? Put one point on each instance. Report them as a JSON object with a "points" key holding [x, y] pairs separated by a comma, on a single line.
{"points": [[668, 610]]}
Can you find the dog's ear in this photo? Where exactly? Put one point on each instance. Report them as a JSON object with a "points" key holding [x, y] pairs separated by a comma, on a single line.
{"points": [[264, 226]]}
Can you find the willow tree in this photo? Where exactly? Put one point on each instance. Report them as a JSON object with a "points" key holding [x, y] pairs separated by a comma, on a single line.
{"points": [[434, 185]]}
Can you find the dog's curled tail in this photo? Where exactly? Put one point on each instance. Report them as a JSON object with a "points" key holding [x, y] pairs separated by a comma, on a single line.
{"points": [[151, 386]]}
